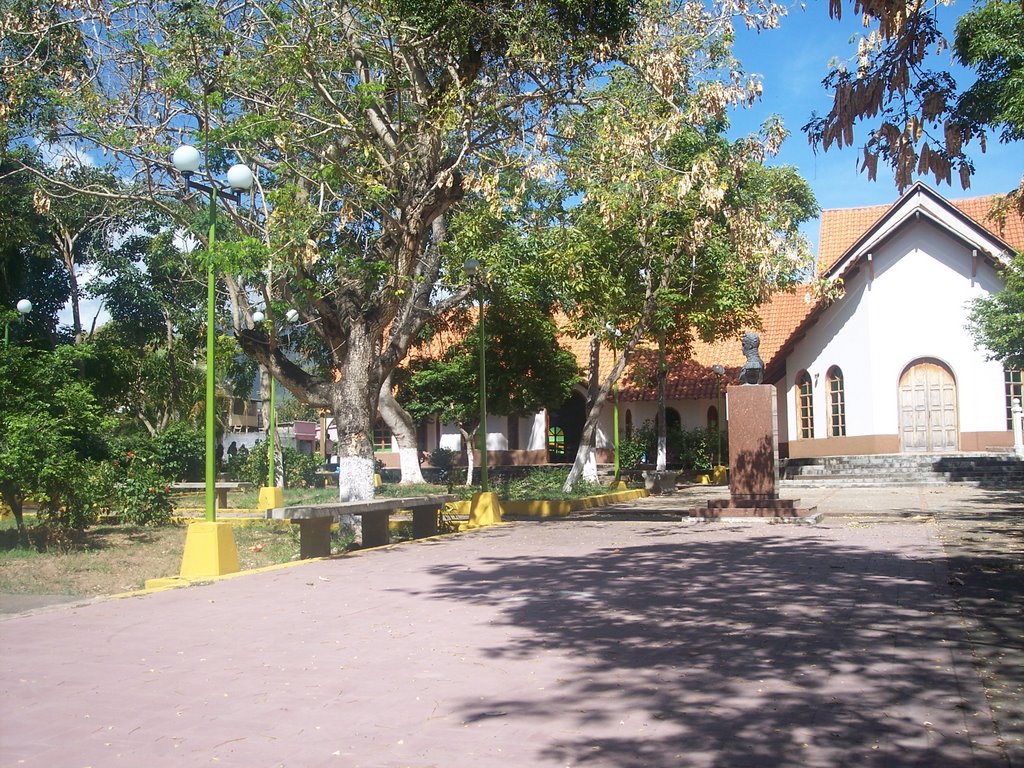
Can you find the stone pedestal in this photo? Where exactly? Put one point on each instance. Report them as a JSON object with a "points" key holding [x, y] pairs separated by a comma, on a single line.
{"points": [[753, 442], [753, 460]]}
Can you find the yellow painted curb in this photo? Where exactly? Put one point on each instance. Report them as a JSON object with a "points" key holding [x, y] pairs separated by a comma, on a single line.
{"points": [[545, 509], [177, 582]]}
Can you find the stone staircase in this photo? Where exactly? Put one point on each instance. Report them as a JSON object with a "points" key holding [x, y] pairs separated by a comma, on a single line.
{"points": [[983, 469]]}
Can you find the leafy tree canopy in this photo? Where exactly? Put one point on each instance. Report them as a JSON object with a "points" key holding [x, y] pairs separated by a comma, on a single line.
{"points": [[996, 320]]}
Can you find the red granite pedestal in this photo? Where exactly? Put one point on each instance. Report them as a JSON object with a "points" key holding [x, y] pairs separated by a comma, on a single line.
{"points": [[753, 460]]}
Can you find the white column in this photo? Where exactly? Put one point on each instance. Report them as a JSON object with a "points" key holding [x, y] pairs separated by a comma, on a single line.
{"points": [[1018, 426]]}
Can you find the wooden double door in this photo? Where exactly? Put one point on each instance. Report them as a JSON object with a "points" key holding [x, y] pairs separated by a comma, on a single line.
{"points": [[928, 409]]}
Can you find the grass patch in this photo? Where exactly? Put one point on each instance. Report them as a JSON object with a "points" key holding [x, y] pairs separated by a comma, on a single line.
{"points": [[545, 484], [110, 559]]}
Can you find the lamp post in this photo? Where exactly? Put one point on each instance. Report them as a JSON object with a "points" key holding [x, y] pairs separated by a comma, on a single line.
{"points": [[24, 306], [186, 160], [472, 268], [614, 334], [258, 317], [719, 371]]}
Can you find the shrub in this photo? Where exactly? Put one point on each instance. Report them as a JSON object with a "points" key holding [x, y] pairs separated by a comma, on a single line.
{"points": [[180, 450], [142, 493], [691, 450], [632, 451], [251, 466], [545, 484], [299, 468]]}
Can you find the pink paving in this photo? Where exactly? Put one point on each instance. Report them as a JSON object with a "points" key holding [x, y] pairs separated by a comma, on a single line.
{"points": [[588, 643]]}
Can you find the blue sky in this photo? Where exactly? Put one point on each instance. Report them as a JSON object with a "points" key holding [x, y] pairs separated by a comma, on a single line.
{"points": [[793, 60]]}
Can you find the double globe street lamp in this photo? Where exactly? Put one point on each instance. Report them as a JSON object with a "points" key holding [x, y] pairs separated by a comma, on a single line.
{"points": [[272, 498], [186, 159]]}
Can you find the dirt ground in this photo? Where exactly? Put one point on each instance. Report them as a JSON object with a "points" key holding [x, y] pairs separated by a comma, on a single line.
{"points": [[114, 559]]}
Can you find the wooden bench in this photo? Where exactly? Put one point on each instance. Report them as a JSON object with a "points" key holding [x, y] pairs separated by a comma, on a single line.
{"points": [[220, 490], [315, 520]]}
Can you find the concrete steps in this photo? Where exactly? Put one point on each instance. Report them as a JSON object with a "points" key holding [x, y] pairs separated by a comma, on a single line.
{"points": [[894, 470]]}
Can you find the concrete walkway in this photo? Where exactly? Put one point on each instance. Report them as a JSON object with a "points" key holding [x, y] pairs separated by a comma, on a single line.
{"points": [[625, 639]]}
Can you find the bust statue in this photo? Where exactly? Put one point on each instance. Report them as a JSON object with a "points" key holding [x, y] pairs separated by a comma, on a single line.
{"points": [[753, 369]]}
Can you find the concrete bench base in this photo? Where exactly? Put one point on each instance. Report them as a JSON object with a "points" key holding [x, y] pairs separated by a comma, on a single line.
{"points": [[315, 520], [220, 490]]}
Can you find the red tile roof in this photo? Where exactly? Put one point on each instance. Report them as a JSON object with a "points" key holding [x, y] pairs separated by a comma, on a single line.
{"points": [[842, 227], [694, 378]]}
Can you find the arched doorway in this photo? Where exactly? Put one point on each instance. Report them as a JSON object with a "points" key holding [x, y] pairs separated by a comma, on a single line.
{"points": [[928, 408], [565, 428]]}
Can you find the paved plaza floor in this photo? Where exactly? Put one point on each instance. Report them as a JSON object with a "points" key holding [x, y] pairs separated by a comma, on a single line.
{"points": [[624, 638]]}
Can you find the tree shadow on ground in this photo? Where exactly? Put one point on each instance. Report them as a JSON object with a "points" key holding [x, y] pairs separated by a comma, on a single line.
{"points": [[760, 650]]}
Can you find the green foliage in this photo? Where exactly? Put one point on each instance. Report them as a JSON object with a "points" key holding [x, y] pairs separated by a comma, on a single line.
{"points": [[180, 452], [633, 450], [527, 370], [995, 321], [990, 39], [692, 450], [243, 466], [50, 423], [28, 268], [443, 460], [142, 493], [251, 466], [546, 484]]}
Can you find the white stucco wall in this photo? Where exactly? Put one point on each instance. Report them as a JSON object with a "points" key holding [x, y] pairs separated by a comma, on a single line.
{"points": [[915, 307]]}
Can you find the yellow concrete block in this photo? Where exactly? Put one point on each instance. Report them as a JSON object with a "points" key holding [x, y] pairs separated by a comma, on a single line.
{"points": [[484, 510], [271, 498], [704, 479], [377, 482], [209, 550], [720, 475]]}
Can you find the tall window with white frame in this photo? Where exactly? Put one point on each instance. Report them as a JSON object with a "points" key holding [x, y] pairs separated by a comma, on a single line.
{"points": [[836, 403], [1014, 389], [805, 405]]}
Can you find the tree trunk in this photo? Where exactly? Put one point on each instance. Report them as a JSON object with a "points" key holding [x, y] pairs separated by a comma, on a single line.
{"points": [[278, 459], [66, 245], [467, 439], [585, 464], [401, 425], [265, 396], [353, 399], [15, 500], [585, 455], [662, 421]]}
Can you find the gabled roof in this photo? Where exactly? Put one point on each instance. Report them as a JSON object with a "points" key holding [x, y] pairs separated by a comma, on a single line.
{"points": [[847, 236], [843, 228]]}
